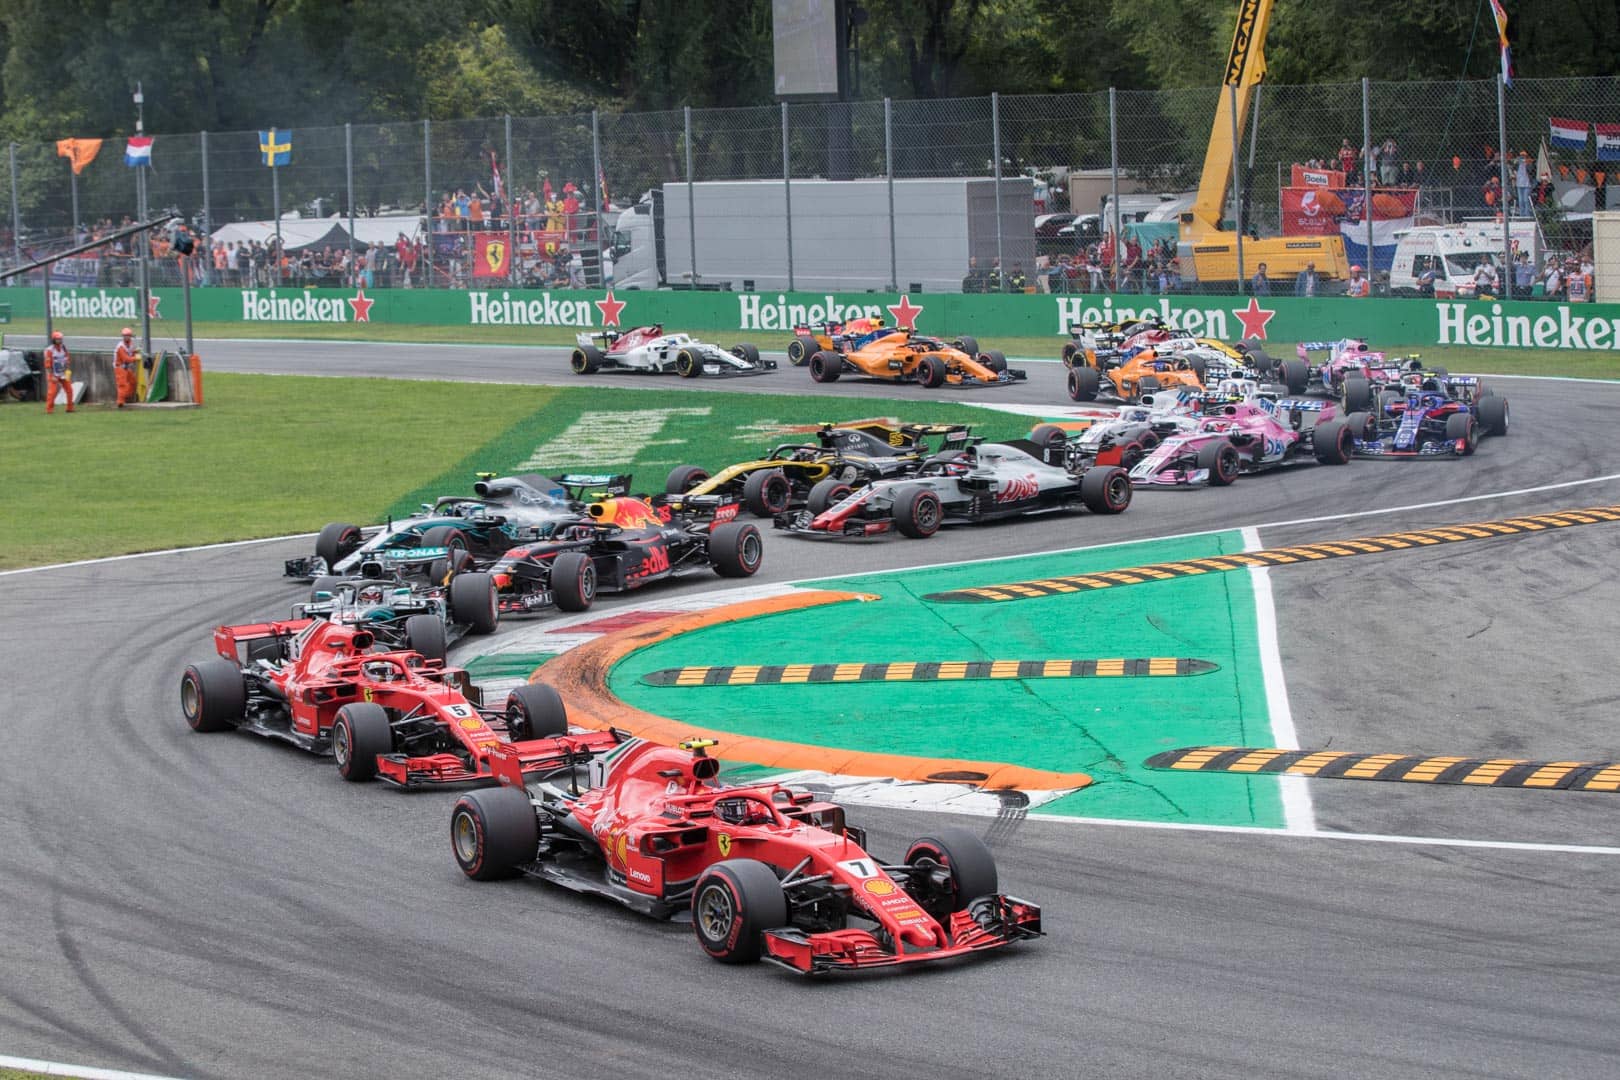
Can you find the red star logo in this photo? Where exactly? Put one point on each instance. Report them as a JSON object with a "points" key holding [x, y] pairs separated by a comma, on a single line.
{"points": [[360, 305], [1254, 319], [610, 309], [152, 302], [905, 313]]}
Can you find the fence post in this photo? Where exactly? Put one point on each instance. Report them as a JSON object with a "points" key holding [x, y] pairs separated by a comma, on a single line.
{"points": [[511, 218], [888, 171], [1507, 207], [1237, 188], [995, 150], [1366, 172], [348, 177], [691, 195], [208, 211], [1113, 168], [787, 193], [144, 246], [601, 198], [427, 195], [16, 212], [73, 182]]}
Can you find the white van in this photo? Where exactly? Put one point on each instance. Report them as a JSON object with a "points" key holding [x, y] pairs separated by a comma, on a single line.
{"points": [[1452, 252]]}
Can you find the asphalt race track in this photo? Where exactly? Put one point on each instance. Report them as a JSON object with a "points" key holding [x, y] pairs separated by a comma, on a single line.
{"points": [[225, 906]]}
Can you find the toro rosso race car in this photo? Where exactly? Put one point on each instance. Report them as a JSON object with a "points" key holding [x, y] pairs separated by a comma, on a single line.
{"points": [[783, 479], [395, 716], [649, 350], [899, 355], [975, 483], [1431, 416], [766, 872], [423, 618]]}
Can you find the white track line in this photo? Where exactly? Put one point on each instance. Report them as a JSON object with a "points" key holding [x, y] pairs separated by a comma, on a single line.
{"points": [[84, 1072], [1298, 809]]}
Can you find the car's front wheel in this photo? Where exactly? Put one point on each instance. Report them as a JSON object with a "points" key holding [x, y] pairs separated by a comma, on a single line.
{"points": [[734, 903]]}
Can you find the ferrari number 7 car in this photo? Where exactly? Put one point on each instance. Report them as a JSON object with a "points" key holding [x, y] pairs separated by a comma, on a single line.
{"points": [[766, 872], [396, 716], [649, 350]]}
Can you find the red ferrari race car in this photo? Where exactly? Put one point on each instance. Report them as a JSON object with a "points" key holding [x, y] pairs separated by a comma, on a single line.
{"points": [[396, 716], [766, 871]]}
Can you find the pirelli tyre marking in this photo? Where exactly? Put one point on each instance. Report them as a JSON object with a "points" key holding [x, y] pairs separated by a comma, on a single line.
{"points": [[940, 671], [1285, 556], [1338, 765]]}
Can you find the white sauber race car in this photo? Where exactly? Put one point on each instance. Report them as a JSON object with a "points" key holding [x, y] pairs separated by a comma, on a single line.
{"points": [[649, 350]]}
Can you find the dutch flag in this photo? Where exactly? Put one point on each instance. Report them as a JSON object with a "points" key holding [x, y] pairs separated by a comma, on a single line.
{"points": [[1608, 141], [138, 151], [1569, 134]]}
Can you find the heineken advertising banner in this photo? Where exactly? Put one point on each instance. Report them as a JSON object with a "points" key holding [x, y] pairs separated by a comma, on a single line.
{"points": [[1493, 324]]}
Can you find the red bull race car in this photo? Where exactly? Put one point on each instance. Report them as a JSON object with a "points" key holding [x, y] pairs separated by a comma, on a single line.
{"points": [[394, 716], [765, 871]]}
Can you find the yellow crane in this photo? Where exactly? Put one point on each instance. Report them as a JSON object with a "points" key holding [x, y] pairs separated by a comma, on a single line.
{"points": [[1207, 247]]}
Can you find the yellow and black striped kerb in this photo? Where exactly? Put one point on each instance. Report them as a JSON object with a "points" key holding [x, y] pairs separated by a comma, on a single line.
{"points": [[934, 671], [1286, 556], [1336, 765]]}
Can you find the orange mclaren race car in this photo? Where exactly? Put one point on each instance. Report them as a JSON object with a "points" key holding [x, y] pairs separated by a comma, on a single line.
{"points": [[1129, 378], [907, 356]]}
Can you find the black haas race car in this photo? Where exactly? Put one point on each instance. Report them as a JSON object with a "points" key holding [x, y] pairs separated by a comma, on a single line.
{"points": [[622, 543]]}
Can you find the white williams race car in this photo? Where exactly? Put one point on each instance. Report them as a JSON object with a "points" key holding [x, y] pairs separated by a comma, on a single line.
{"points": [[649, 350]]}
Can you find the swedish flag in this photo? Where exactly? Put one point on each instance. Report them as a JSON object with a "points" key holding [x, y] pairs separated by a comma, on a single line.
{"points": [[275, 147]]}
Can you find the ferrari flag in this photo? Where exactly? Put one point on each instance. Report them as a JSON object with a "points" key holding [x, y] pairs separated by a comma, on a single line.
{"points": [[80, 152], [275, 147], [493, 257]]}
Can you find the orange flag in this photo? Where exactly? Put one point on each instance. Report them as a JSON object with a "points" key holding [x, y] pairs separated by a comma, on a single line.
{"points": [[80, 152]]}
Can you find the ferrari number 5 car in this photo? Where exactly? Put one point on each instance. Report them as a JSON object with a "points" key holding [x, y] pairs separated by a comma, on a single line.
{"points": [[765, 871]]}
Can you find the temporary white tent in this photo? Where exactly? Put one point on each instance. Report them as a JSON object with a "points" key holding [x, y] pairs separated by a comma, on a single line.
{"points": [[299, 233]]}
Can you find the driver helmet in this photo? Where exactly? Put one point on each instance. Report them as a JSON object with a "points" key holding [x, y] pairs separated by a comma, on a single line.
{"points": [[740, 812], [954, 462], [381, 671], [371, 594]]}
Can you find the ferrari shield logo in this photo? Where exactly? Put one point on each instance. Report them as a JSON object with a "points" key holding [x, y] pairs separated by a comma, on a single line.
{"points": [[724, 842], [495, 256]]}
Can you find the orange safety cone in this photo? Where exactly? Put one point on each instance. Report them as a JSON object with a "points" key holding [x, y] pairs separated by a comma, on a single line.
{"points": [[196, 379]]}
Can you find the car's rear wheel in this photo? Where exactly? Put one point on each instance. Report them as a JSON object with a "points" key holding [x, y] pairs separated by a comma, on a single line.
{"points": [[359, 733], [1198, 366], [473, 602], [585, 360], [968, 345], [1221, 459], [736, 549], [425, 634], [683, 478], [1386, 398], [1084, 383], [493, 832], [446, 536], [326, 583], [1106, 490], [767, 492], [801, 349], [931, 372], [1069, 349], [573, 580], [1332, 442], [1296, 375], [213, 695], [917, 512], [1493, 414], [826, 366], [734, 903], [459, 561], [336, 541], [1048, 437], [535, 711], [826, 494], [688, 364], [950, 868], [1358, 394]]}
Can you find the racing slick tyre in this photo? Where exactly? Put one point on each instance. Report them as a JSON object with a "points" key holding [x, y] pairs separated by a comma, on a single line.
{"points": [[1462, 431], [1387, 398], [826, 366], [213, 695], [1221, 459], [1069, 349], [1256, 352], [1296, 375], [767, 492], [825, 495], [1084, 383], [573, 581], [336, 540], [1198, 366], [1106, 490], [1439, 372], [493, 831], [931, 372], [323, 584], [1333, 442], [1493, 414], [1148, 385], [1358, 394], [359, 733], [745, 351], [968, 345], [950, 868], [442, 571], [1050, 438], [535, 711], [585, 360], [683, 478], [736, 549], [801, 349], [995, 360], [688, 364], [425, 634], [446, 536], [734, 903], [917, 512], [473, 602]]}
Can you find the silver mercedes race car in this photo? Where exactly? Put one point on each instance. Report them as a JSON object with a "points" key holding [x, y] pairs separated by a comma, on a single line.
{"points": [[649, 350]]}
